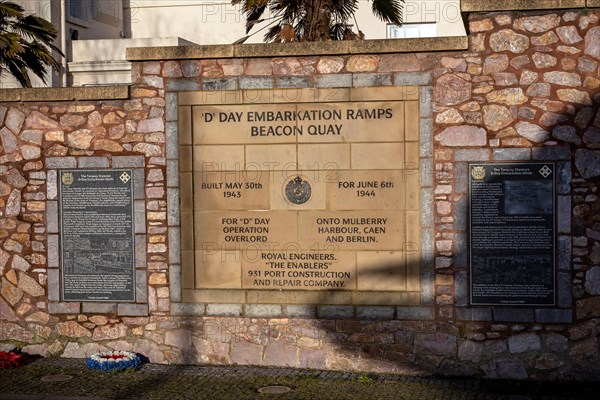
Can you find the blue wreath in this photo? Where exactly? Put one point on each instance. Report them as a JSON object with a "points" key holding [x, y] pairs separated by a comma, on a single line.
{"points": [[118, 365]]}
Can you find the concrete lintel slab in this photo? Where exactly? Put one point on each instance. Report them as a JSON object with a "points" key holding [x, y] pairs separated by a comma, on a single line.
{"points": [[298, 49], [517, 5]]}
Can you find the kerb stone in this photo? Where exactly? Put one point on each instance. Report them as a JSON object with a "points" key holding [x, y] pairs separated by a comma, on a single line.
{"points": [[587, 163], [549, 316], [196, 310], [61, 162], [359, 80], [513, 315], [335, 312], [510, 154], [92, 162], [375, 313], [505, 369], [524, 342], [473, 314], [99, 308], [224, 310], [132, 310], [412, 78], [552, 153], [281, 354], [440, 344], [472, 155], [180, 338], [262, 310], [415, 313], [462, 136], [128, 162], [245, 353], [294, 311]]}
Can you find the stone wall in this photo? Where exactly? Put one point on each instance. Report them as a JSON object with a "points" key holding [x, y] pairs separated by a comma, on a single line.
{"points": [[527, 89]]}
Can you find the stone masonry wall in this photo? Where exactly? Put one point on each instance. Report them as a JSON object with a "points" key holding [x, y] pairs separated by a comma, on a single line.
{"points": [[527, 89]]}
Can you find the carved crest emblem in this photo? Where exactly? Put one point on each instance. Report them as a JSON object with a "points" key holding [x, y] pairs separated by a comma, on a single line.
{"points": [[298, 191], [67, 178], [478, 172]]}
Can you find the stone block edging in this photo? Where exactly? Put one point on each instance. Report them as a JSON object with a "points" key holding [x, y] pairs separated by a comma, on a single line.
{"points": [[517, 5], [381, 46], [117, 92]]}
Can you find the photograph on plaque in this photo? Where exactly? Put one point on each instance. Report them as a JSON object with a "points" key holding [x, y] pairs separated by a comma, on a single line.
{"points": [[512, 235], [96, 235]]}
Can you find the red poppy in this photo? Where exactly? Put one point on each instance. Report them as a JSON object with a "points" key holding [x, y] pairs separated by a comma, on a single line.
{"points": [[11, 360]]}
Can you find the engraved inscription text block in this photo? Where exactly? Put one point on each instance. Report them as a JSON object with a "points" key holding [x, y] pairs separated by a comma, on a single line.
{"points": [[97, 245]]}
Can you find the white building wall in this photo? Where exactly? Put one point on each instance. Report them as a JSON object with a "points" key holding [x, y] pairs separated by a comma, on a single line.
{"points": [[200, 21], [99, 19], [444, 13], [102, 61], [218, 22], [194, 21]]}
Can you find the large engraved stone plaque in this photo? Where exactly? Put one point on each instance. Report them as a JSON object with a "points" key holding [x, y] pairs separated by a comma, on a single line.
{"points": [[297, 195], [96, 231], [512, 234]]}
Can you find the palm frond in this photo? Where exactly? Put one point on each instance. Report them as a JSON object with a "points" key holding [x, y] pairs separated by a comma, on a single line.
{"points": [[26, 44], [19, 71], [311, 20], [253, 16], [286, 34], [10, 10], [272, 33], [388, 10], [345, 9]]}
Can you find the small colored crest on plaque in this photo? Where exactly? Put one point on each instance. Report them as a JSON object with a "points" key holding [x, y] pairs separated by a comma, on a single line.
{"points": [[478, 172], [67, 178], [298, 191]]}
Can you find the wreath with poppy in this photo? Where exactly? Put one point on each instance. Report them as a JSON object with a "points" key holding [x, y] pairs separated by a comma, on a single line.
{"points": [[11, 360], [114, 361]]}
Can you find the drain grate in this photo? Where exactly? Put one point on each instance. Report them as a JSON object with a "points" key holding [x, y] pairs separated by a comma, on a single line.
{"points": [[274, 389], [56, 378]]}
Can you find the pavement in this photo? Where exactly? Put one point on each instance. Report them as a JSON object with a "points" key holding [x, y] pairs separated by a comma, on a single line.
{"points": [[42, 379]]}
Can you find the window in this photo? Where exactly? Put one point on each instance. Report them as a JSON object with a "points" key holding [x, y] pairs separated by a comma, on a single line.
{"points": [[407, 31], [84, 10]]}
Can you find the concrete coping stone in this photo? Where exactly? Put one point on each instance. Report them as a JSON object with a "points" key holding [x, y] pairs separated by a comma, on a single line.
{"points": [[517, 5], [298, 49], [116, 92]]}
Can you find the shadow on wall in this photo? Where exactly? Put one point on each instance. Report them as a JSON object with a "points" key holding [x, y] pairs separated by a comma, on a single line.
{"points": [[433, 338], [414, 340]]}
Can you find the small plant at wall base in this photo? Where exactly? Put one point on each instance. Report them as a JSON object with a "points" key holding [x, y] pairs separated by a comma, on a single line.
{"points": [[313, 20], [26, 44]]}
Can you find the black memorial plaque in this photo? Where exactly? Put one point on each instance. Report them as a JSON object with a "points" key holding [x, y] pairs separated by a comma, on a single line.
{"points": [[96, 230], [512, 234]]}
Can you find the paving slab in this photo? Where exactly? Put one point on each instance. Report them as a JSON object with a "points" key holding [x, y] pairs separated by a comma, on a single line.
{"points": [[173, 382]]}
